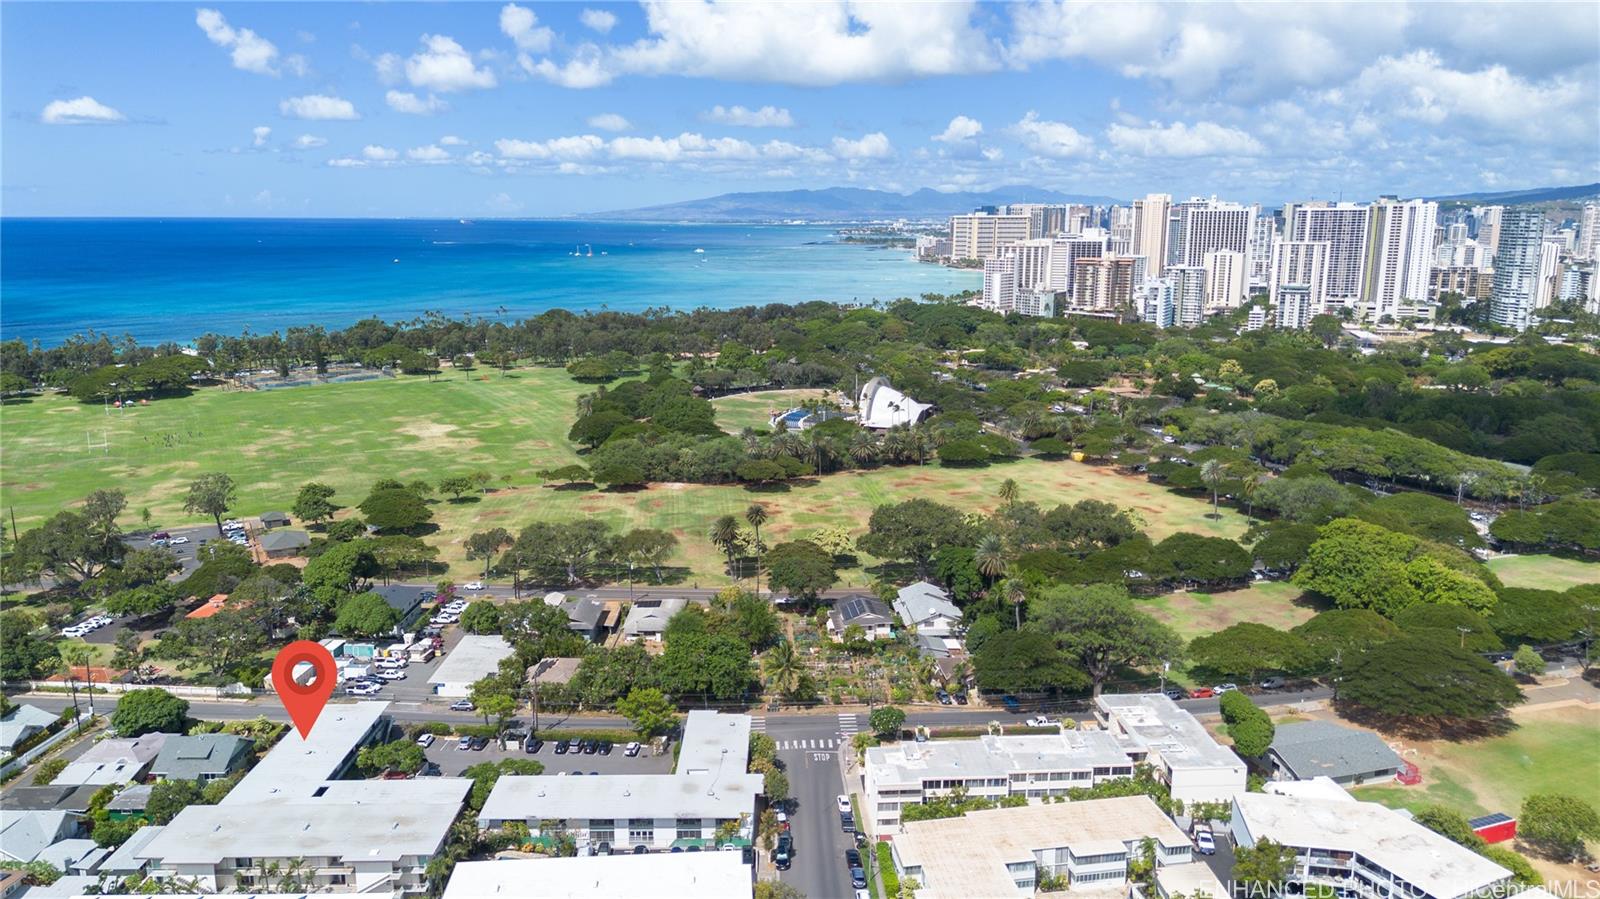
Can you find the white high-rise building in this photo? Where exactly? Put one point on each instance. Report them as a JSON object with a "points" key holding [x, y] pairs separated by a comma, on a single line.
{"points": [[1104, 284], [1400, 256], [1044, 219], [1549, 272], [1033, 261], [1226, 283], [980, 235], [1488, 221], [1122, 227], [1215, 226], [999, 284], [1065, 253], [1589, 232], [1343, 226], [1263, 231], [1158, 304], [1189, 286], [1517, 259], [1150, 231], [1299, 279]]}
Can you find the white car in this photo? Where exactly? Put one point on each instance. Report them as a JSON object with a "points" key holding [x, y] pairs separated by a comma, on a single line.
{"points": [[389, 674], [844, 804], [1220, 689], [473, 585], [425, 740], [74, 631], [178, 540], [1205, 842], [362, 690], [103, 620], [1040, 721], [438, 620], [391, 664]]}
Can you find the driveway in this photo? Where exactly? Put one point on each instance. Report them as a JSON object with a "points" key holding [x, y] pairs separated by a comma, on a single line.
{"points": [[453, 761]]}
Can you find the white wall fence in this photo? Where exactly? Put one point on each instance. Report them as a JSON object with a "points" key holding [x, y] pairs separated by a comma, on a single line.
{"points": [[232, 691], [25, 759]]}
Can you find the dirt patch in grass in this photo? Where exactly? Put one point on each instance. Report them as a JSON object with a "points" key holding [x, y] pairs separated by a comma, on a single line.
{"points": [[433, 435]]}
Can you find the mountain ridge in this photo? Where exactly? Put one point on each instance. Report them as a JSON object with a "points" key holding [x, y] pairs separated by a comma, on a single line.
{"points": [[840, 204]]}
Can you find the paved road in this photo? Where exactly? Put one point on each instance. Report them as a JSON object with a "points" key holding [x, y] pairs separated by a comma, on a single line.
{"points": [[809, 747]]}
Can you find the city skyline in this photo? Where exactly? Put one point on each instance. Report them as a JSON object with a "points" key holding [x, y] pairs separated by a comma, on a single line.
{"points": [[547, 109]]}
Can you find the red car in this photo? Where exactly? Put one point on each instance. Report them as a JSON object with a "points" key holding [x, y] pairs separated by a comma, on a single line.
{"points": [[1202, 693]]}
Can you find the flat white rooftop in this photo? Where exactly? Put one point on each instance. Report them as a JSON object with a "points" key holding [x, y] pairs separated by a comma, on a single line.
{"points": [[475, 657], [207, 834], [520, 798], [1157, 724], [1384, 837], [675, 875], [296, 767], [967, 856], [991, 756], [713, 741]]}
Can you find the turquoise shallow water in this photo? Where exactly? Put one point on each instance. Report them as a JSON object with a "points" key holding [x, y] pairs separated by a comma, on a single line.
{"points": [[176, 279]]}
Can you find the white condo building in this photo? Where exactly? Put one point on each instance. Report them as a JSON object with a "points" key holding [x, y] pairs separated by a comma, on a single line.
{"points": [[1517, 263], [1154, 730], [1263, 232], [1227, 282], [980, 235], [1158, 302], [1213, 225], [999, 284], [1299, 280], [1550, 253], [1343, 226], [1150, 231], [1589, 232], [1400, 257], [1189, 286], [1488, 225]]}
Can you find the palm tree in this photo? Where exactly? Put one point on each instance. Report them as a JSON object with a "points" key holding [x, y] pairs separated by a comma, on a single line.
{"points": [[724, 535], [783, 666], [1012, 590], [820, 449], [1009, 492], [863, 449], [756, 514], [990, 556], [1247, 489], [1211, 474], [897, 444]]}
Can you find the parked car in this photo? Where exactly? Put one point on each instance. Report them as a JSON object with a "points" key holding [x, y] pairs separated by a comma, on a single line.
{"points": [[589, 747], [462, 705], [943, 697], [843, 802], [1205, 842], [1220, 689], [175, 541], [532, 745], [473, 585], [1202, 693], [1175, 694], [425, 740], [858, 877], [430, 769], [1272, 683], [73, 631], [360, 688], [563, 747], [161, 535], [960, 698], [464, 744], [641, 850], [1041, 721], [631, 750], [1012, 703], [852, 858], [783, 853], [605, 747], [391, 674], [847, 823]]}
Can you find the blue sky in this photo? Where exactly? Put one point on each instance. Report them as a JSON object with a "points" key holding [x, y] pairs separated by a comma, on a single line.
{"points": [[529, 109]]}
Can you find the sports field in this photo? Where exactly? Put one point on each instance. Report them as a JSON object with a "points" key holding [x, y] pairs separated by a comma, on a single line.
{"points": [[1277, 604], [754, 410], [1544, 572], [348, 435]]}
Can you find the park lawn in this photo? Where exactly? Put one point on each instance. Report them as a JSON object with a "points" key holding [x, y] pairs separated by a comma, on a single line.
{"points": [[1544, 572], [1552, 751], [754, 410], [350, 435], [1278, 604]]}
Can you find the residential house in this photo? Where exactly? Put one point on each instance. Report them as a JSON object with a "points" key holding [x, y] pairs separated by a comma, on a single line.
{"points": [[75, 856], [130, 803], [70, 798], [24, 833], [114, 761], [124, 861], [283, 544], [270, 520], [22, 722], [553, 671], [648, 618], [406, 600], [875, 619], [589, 617], [201, 757], [1345, 755], [928, 609]]}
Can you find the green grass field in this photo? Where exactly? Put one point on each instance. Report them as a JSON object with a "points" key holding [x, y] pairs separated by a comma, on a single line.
{"points": [[1544, 572], [1274, 603], [350, 435], [1553, 751], [754, 410]]}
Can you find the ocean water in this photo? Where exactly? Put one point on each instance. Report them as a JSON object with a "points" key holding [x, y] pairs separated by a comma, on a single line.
{"points": [[175, 279]]}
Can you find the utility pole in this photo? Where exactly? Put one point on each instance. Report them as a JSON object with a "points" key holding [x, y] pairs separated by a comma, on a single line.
{"points": [[1464, 631]]}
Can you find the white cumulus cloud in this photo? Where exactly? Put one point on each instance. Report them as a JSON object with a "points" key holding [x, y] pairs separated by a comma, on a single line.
{"points": [[411, 104], [445, 66], [1047, 138], [609, 121], [872, 146], [318, 106], [562, 148], [960, 128], [376, 153], [765, 117], [309, 142], [583, 70], [1181, 140], [81, 111], [429, 153], [450, 140], [250, 51], [259, 135], [522, 26], [598, 20]]}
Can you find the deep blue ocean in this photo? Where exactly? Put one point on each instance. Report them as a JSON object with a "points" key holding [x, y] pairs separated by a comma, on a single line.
{"points": [[175, 279]]}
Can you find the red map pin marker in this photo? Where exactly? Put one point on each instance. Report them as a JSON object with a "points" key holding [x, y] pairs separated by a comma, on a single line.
{"points": [[304, 700]]}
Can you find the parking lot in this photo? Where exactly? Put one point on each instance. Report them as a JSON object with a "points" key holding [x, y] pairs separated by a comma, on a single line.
{"points": [[451, 760]]}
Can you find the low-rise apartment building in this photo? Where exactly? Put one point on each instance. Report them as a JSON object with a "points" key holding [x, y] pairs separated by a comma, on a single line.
{"points": [[1007, 851], [291, 814], [709, 796], [1362, 849], [989, 767], [1151, 728]]}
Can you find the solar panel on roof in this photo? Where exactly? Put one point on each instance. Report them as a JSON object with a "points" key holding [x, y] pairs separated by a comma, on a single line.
{"points": [[1490, 820]]}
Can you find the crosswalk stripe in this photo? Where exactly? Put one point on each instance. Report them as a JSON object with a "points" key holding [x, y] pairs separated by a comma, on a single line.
{"points": [[759, 725]]}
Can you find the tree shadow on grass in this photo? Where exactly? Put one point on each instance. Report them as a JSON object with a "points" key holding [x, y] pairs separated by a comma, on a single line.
{"points": [[1456, 730], [574, 487], [894, 572], [768, 487], [464, 500]]}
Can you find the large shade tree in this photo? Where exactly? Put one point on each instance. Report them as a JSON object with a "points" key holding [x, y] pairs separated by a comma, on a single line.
{"points": [[1101, 630]]}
